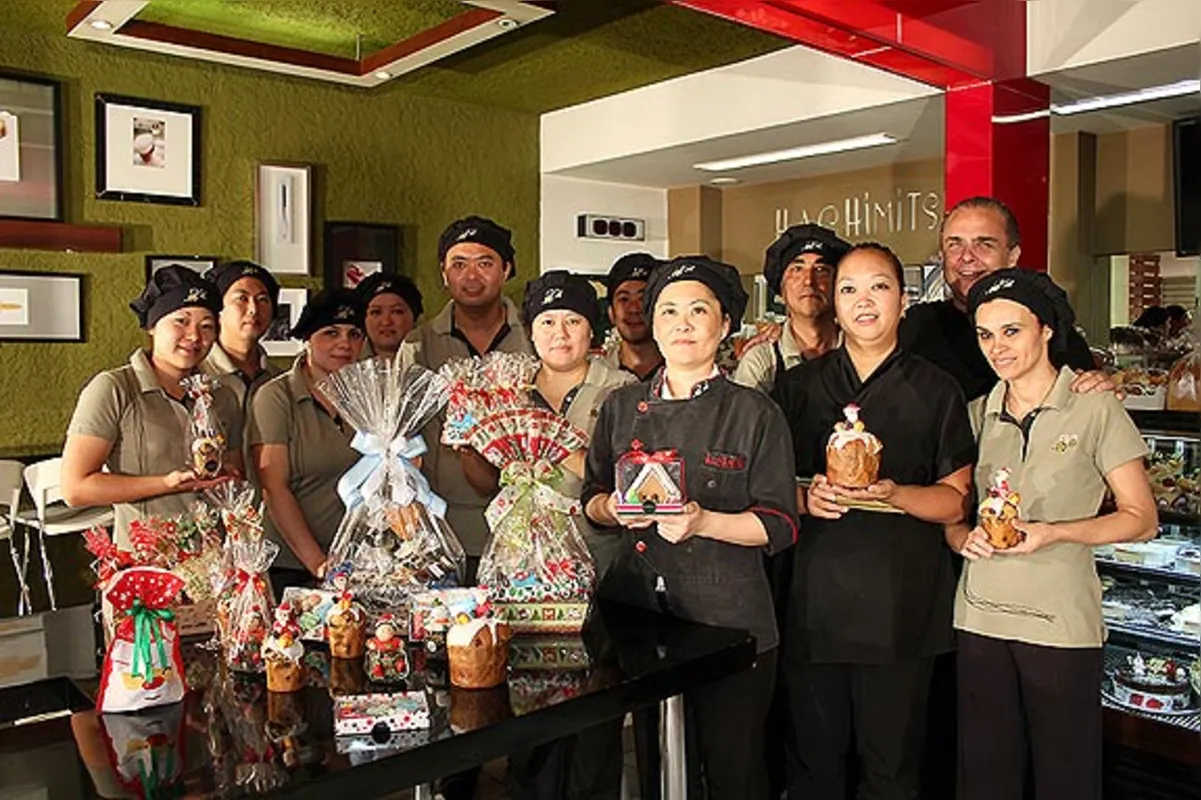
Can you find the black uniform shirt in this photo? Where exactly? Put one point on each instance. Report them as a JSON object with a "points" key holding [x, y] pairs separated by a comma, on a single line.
{"points": [[872, 587], [944, 336], [737, 454]]}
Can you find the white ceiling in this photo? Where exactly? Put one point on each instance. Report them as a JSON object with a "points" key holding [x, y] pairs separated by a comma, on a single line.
{"points": [[919, 122]]}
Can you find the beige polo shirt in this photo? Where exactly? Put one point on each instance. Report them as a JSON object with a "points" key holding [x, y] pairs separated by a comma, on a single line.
{"points": [[220, 365], [433, 344], [148, 430], [757, 368], [319, 452], [1050, 597], [583, 407]]}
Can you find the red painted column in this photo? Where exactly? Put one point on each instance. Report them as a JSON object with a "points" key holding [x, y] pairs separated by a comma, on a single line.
{"points": [[998, 144]]}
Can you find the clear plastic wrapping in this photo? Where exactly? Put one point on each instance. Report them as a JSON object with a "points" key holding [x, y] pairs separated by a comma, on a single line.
{"points": [[393, 537], [206, 434], [482, 386]]}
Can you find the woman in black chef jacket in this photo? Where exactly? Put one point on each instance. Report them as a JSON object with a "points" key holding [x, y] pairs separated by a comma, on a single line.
{"points": [[870, 603], [705, 564]]}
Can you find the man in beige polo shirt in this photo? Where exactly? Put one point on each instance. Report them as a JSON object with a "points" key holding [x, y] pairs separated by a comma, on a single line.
{"points": [[476, 257], [249, 297]]}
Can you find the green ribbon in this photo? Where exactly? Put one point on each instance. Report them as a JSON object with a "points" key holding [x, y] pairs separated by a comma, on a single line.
{"points": [[146, 625], [150, 779]]}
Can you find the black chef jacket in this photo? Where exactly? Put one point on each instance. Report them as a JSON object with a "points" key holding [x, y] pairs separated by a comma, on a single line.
{"points": [[874, 588], [944, 336], [737, 454]]}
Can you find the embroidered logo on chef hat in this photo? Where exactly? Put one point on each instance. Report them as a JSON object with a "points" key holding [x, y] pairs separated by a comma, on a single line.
{"points": [[683, 269], [551, 296], [344, 312], [251, 269], [813, 246], [467, 234], [196, 294], [639, 273], [1004, 283]]}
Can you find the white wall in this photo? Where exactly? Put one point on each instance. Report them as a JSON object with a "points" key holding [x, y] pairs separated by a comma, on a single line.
{"points": [[780, 88], [563, 199], [1062, 34]]}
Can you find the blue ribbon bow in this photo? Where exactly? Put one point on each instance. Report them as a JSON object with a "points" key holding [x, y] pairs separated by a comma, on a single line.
{"points": [[388, 463]]}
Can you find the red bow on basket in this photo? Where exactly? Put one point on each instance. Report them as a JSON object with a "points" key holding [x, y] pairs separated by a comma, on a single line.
{"points": [[657, 457]]}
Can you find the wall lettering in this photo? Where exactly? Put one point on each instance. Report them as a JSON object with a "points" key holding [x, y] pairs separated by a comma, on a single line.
{"points": [[859, 216]]}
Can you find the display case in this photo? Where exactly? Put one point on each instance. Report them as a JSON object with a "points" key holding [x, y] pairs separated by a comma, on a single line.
{"points": [[1152, 602]]}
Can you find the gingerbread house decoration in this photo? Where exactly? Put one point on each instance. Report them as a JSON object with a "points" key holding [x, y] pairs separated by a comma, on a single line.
{"points": [[654, 489]]}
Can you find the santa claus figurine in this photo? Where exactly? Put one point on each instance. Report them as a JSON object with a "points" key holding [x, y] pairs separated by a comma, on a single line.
{"points": [[386, 658]]}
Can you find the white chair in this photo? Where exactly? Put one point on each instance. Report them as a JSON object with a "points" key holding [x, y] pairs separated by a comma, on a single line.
{"points": [[11, 477], [52, 517]]}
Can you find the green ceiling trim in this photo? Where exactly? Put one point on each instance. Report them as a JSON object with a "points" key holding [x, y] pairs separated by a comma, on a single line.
{"points": [[331, 27]]}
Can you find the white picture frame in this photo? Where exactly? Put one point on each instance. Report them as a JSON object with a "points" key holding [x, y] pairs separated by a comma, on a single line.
{"points": [[147, 151], [276, 341], [283, 217]]}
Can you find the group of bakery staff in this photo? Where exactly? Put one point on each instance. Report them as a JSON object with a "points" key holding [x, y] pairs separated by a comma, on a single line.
{"points": [[867, 640]]}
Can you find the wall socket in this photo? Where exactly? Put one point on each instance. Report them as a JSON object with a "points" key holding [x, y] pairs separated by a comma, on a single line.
{"points": [[599, 226]]}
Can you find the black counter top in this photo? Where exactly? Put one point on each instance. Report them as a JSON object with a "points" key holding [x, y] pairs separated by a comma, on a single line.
{"points": [[229, 730]]}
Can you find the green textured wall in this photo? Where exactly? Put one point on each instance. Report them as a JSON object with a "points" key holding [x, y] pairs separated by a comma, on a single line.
{"points": [[386, 156]]}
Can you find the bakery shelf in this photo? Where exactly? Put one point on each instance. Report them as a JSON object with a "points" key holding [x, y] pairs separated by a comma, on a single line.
{"points": [[1167, 423], [1115, 656], [1178, 518], [1159, 635], [1166, 573]]}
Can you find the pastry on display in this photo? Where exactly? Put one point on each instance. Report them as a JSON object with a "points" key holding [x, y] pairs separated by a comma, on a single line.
{"points": [[1188, 620], [1143, 388], [346, 627], [283, 652], [999, 511], [1175, 488], [478, 652], [1184, 383], [387, 661], [1153, 684], [853, 454]]}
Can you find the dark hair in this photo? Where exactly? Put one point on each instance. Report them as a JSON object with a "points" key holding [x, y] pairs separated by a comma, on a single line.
{"points": [[1176, 312], [881, 249], [1152, 317], [1012, 234]]}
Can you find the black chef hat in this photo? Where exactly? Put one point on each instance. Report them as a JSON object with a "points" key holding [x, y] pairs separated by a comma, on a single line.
{"points": [[560, 290], [631, 267], [231, 272], [480, 230], [171, 288], [330, 307], [796, 241], [721, 278], [402, 286], [1035, 291]]}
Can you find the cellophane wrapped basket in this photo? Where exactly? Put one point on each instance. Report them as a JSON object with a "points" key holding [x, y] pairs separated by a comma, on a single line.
{"points": [[244, 599], [206, 434], [536, 563], [394, 536], [480, 386]]}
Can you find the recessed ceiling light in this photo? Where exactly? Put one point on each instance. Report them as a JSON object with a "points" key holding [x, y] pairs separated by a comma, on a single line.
{"points": [[820, 149], [101, 25], [1178, 89], [507, 23], [723, 180], [383, 75]]}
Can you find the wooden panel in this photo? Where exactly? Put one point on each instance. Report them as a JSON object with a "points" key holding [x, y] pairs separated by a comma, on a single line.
{"points": [[38, 235]]}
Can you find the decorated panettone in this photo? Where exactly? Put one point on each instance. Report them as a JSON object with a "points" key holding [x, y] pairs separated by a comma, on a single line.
{"points": [[478, 652], [346, 625], [999, 511], [386, 658], [852, 454], [283, 652]]}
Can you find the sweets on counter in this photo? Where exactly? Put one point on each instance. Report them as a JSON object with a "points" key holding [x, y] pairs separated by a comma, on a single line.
{"points": [[283, 652], [387, 661], [999, 511], [478, 652]]}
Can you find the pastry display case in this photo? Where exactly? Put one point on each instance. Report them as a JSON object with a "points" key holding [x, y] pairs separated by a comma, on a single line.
{"points": [[1152, 600]]}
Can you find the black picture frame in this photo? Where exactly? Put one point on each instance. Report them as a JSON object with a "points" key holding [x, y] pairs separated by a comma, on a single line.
{"points": [[10, 205], [359, 242], [199, 264], [33, 278], [111, 149]]}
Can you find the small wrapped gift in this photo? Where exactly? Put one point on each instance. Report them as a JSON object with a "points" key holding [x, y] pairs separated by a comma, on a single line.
{"points": [[206, 434], [311, 606], [247, 603], [650, 482], [433, 612], [387, 661], [147, 751], [394, 536], [143, 666], [358, 715], [483, 386], [536, 556]]}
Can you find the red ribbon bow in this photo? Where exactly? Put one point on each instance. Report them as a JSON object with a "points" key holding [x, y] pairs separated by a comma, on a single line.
{"points": [[657, 457]]}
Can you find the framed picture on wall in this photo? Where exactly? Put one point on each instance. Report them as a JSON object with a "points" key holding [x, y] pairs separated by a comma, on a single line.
{"points": [[276, 341], [282, 217], [41, 307], [354, 250], [200, 264], [31, 175], [147, 151]]}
